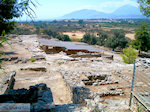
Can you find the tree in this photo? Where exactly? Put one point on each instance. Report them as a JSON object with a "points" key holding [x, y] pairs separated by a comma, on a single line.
{"points": [[89, 38], [80, 21], [145, 7], [129, 55], [117, 40], [142, 38], [63, 37], [102, 38], [49, 32], [10, 9], [86, 38]]}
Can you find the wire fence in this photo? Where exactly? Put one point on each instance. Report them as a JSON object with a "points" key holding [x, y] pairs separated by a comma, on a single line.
{"points": [[141, 83]]}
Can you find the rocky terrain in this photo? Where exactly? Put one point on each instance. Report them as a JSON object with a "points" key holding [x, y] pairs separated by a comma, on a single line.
{"points": [[77, 84]]}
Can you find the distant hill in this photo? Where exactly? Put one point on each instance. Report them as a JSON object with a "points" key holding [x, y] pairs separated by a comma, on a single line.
{"points": [[126, 11], [85, 14]]}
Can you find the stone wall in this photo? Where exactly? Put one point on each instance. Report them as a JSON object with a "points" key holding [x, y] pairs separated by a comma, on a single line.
{"points": [[39, 96]]}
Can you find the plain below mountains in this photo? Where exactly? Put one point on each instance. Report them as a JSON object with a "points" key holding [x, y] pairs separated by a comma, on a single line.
{"points": [[126, 11]]}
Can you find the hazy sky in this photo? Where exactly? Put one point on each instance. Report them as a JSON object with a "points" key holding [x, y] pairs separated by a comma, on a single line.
{"points": [[49, 9]]}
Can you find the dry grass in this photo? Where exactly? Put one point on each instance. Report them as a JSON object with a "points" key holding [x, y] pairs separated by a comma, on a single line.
{"points": [[75, 35]]}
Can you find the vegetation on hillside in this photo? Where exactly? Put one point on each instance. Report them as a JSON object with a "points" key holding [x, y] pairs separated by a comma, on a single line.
{"points": [[116, 40], [142, 38]]}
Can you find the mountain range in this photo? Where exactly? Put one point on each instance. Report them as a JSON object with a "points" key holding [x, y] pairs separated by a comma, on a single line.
{"points": [[126, 11]]}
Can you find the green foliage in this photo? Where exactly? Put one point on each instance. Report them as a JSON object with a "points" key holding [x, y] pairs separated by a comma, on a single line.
{"points": [[50, 32], [80, 21], [139, 109], [142, 38], [55, 34], [3, 39], [129, 55], [102, 38], [145, 7], [59, 63], [117, 40], [10, 9], [89, 38], [63, 37], [21, 31], [32, 59]]}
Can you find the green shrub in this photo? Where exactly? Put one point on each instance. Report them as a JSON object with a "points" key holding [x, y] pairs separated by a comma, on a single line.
{"points": [[59, 63], [129, 55], [32, 59], [89, 38]]}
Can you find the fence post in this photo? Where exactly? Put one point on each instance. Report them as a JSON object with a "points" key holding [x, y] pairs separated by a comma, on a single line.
{"points": [[132, 86]]}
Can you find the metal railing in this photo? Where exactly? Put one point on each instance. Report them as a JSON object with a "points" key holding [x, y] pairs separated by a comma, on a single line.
{"points": [[140, 88]]}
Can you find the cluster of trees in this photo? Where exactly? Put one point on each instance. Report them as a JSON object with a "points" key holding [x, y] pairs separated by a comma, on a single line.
{"points": [[57, 35], [21, 31], [117, 39], [142, 38]]}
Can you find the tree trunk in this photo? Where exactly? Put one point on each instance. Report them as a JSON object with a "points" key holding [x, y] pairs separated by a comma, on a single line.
{"points": [[139, 52]]}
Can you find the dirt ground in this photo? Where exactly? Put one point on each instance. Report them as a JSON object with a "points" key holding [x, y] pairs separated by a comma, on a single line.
{"points": [[130, 35], [24, 79]]}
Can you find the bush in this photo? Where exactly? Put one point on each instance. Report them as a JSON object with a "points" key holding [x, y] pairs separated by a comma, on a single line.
{"points": [[49, 32], [129, 55], [89, 38], [63, 37], [59, 63], [32, 59]]}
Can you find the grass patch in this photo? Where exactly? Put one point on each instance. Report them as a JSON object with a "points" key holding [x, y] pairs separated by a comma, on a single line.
{"points": [[59, 63], [75, 39], [32, 59]]}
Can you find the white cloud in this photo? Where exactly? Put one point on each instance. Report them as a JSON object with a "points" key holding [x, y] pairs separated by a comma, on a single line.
{"points": [[111, 6]]}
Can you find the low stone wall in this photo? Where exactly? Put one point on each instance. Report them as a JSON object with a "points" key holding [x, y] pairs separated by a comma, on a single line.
{"points": [[96, 79], [76, 87], [10, 81], [86, 55]]}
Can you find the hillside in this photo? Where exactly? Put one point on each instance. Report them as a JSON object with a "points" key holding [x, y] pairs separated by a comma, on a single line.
{"points": [[126, 11], [85, 14]]}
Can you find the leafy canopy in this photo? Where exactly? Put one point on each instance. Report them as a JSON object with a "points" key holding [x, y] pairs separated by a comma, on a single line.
{"points": [[10, 9], [102, 38], [89, 38], [117, 40], [142, 38], [145, 7]]}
